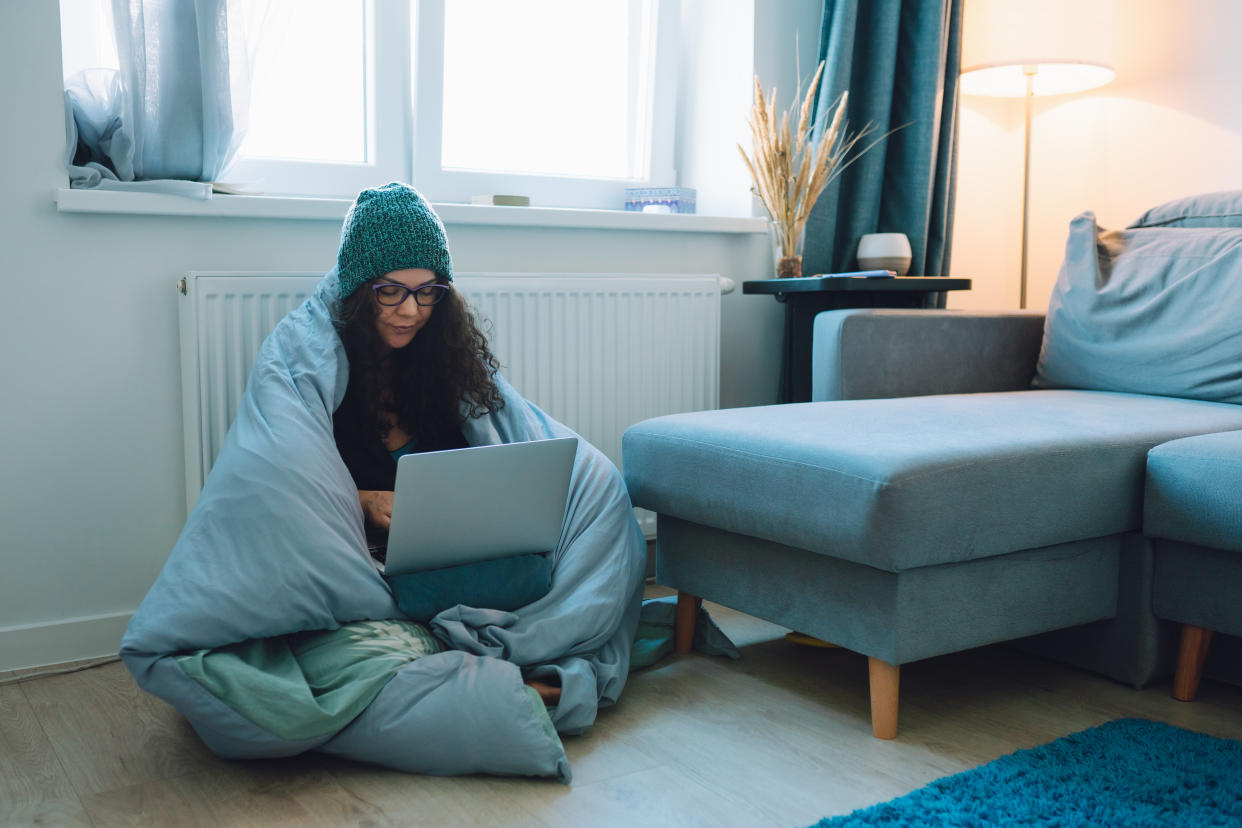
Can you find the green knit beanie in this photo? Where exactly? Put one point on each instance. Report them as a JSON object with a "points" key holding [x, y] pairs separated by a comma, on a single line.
{"points": [[390, 228]]}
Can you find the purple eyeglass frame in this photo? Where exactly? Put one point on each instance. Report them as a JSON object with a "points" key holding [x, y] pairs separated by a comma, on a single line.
{"points": [[441, 292]]}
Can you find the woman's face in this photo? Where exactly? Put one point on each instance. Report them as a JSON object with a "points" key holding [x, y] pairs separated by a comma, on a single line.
{"points": [[397, 324]]}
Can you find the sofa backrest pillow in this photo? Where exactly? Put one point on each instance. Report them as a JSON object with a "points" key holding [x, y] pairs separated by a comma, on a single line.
{"points": [[1223, 209], [1147, 311]]}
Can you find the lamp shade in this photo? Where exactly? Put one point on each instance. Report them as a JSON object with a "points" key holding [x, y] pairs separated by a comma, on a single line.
{"points": [[1064, 45]]}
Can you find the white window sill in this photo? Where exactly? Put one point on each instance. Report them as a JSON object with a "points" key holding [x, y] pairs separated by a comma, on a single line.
{"points": [[334, 209]]}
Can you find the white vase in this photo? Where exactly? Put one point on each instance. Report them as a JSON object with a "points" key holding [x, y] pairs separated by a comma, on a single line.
{"points": [[884, 251]]}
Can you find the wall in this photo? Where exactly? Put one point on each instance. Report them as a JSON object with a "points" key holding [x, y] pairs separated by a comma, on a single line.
{"points": [[1170, 125], [783, 36], [91, 498]]}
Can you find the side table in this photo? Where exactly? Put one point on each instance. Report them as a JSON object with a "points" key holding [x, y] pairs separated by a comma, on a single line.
{"points": [[806, 296]]}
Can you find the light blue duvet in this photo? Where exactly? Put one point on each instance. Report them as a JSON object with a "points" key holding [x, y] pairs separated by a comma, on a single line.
{"points": [[275, 545]]}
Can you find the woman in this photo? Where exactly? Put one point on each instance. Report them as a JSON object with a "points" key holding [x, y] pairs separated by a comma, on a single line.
{"points": [[418, 364]]}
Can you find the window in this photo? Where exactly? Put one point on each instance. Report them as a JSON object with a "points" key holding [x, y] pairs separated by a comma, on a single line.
{"points": [[565, 101], [586, 62], [327, 92], [557, 99], [85, 34]]}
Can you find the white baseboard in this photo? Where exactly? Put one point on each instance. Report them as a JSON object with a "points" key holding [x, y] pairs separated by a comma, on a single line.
{"points": [[55, 642]]}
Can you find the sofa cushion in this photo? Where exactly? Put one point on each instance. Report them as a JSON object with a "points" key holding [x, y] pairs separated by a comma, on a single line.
{"points": [[1223, 209], [907, 482], [1150, 311], [1194, 491]]}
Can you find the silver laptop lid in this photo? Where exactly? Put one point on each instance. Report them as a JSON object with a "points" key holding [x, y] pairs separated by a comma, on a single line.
{"points": [[473, 504]]}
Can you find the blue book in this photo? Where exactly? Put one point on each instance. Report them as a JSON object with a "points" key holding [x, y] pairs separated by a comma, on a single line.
{"points": [[864, 274]]}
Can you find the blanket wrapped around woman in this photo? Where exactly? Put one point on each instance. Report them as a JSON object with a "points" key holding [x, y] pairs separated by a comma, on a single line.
{"points": [[271, 631]]}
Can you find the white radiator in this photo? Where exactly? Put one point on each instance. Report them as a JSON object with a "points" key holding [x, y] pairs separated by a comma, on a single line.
{"points": [[598, 352]]}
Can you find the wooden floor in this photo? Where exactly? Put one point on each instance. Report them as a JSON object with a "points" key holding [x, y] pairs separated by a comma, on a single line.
{"points": [[779, 738]]}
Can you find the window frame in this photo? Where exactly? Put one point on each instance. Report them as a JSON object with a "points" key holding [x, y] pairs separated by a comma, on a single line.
{"points": [[387, 73], [454, 185], [405, 52]]}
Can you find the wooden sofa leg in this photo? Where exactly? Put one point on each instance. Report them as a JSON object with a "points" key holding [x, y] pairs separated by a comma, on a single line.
{"points": [[885, 679], [1190, 658], [683, 630]]}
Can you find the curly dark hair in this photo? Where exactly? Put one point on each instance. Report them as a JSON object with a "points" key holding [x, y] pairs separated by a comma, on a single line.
{"points": [[425, 383]]}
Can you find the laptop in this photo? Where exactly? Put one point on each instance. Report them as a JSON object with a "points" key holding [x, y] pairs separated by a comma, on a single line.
{"points": [[474, 504]]}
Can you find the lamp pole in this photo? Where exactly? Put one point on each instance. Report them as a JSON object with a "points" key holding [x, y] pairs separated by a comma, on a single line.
{"points": [[1029, 71]]}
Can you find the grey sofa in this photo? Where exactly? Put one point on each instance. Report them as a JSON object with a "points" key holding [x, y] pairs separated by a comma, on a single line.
{"points": [[970, 478]]}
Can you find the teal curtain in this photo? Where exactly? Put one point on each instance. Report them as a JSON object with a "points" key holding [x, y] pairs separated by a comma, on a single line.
{"points": [[899, 60]]}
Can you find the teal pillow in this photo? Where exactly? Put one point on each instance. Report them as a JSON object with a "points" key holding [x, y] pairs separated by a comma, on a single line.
{"points": [[502, 584], [1223, 209], [1147, 311]]}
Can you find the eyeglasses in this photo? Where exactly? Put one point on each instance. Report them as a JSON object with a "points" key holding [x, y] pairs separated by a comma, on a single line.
{"points": [[388, 293]]}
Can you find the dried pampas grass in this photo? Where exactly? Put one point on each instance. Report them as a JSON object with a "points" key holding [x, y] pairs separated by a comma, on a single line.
{"points": [[790, 169]]}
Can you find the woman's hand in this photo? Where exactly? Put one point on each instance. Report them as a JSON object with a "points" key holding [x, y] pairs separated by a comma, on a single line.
{"points": [[376, 507]]}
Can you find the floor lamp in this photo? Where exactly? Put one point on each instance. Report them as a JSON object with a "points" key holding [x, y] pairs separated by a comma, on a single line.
{"points": [[1029, 48]]}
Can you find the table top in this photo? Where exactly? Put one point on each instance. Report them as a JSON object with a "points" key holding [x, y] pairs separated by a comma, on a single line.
{"points": [[838, 282]]}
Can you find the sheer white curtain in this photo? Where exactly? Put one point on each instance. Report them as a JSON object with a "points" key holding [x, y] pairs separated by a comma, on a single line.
{"points": [[169, 114]]}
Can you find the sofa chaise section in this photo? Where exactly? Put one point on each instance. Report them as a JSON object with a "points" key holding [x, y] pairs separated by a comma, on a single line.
{"points": [[908, 527], [1193, 511]]}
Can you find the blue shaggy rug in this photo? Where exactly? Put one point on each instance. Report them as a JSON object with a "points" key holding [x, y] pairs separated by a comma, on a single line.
{"points": [[1129, 772]]}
